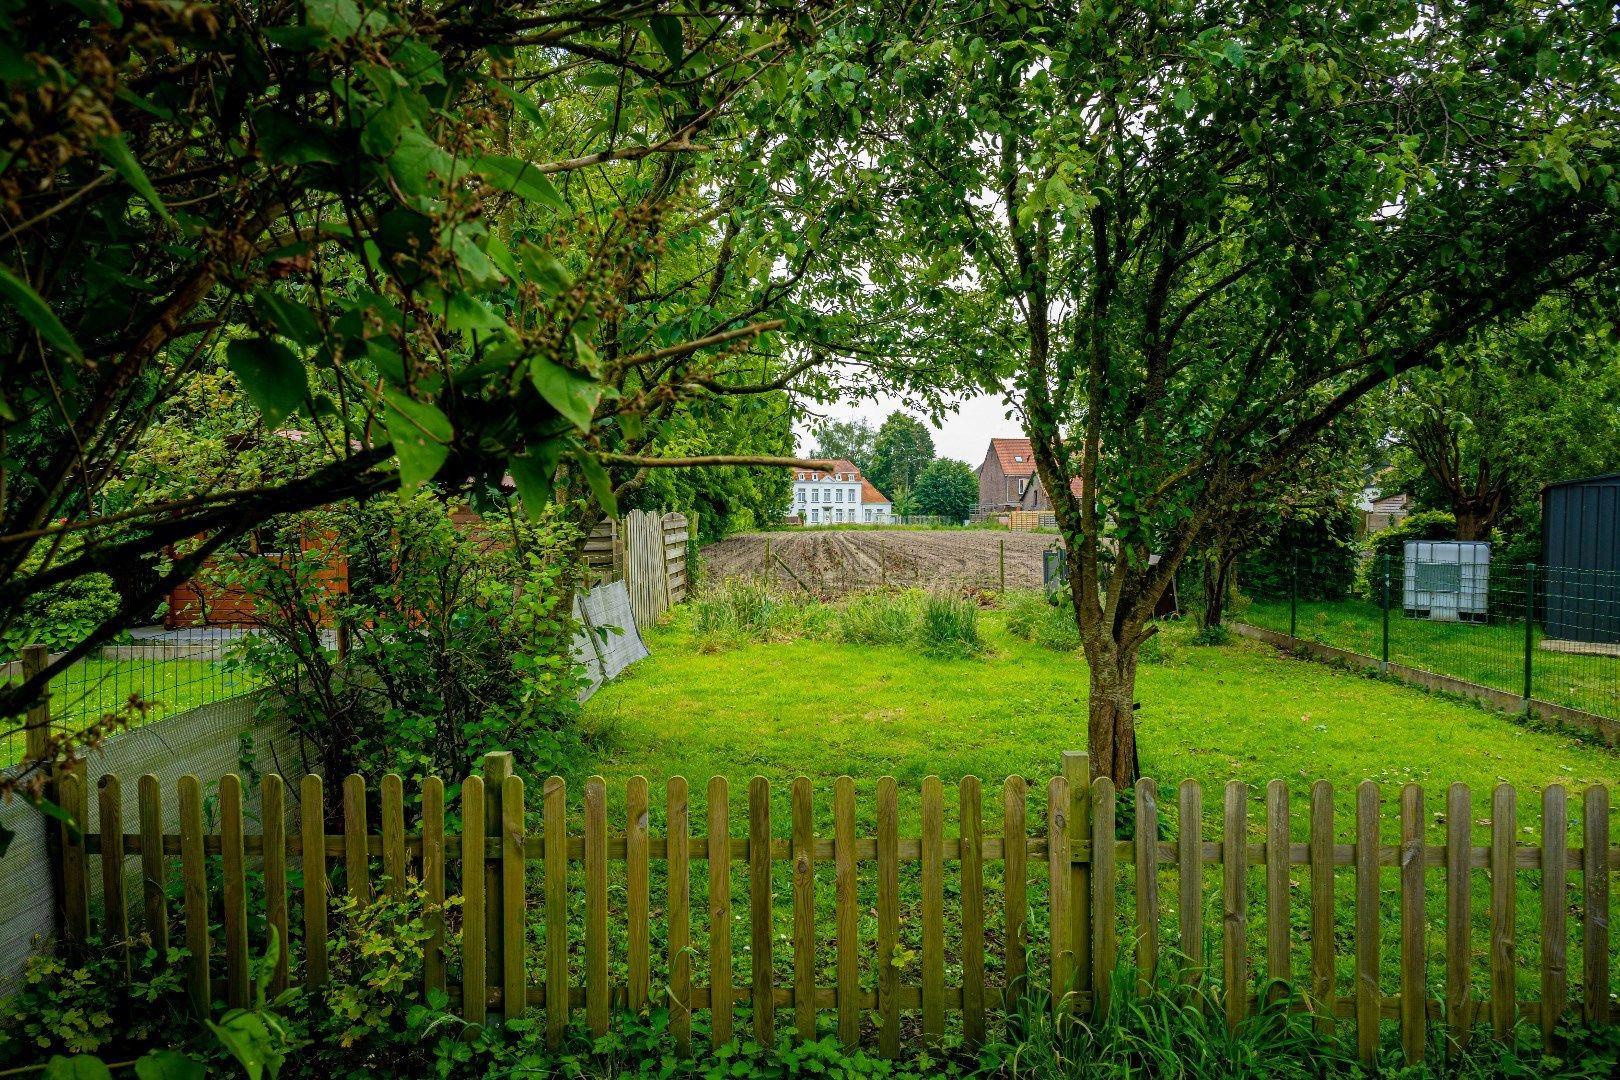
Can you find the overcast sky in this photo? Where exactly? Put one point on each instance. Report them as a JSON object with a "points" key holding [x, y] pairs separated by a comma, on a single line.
{"points": [[965, 434]]}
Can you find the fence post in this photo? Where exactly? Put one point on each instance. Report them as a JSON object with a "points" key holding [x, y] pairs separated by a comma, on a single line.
{"points": [[1003, 564], [768, 574], [1384, 667], [1293, 604], [1076, 768], [1529, 632], [38, 731], [498, 765]]}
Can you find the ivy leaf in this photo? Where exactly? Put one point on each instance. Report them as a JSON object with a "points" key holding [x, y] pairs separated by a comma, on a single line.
{"points": [[570, 393], [77, 1067], [273, 377], [31, 306], [666, 30], [522, 178], [601, 486], [169, 1065], [122, 159], [535, 473], [420, 435]]}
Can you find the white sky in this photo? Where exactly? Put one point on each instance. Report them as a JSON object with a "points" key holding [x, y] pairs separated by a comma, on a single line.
{"points": [[964, 435]]}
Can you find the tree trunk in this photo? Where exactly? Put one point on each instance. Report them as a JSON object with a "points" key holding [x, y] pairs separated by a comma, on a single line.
{"points": [[1111, 732], [1473, 520], [1217, 583]]}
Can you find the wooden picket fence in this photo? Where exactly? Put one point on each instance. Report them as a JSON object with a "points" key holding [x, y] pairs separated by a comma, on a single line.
{"points": [[1083, 867]]}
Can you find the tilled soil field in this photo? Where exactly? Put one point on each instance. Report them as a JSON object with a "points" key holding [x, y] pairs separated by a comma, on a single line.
{"points": [[833, 561]]}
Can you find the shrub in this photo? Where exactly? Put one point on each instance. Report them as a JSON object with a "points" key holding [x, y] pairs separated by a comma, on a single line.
{"points": [[79, 1007], [61, 616]]}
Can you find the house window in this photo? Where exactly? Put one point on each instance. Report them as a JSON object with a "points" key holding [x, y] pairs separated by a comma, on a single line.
{"points": [[1022, 484], [826, 495], [815, 517], [868, 514], [1018, 457]]}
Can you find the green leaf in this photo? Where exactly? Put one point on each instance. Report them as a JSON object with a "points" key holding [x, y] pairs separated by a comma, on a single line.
{"points": [[101, 10], [31, 306], [77, 1067], [545, 271], [535, 474], [289, 318], [1233, 50], [666, 30], [288, 140], [420, 435], [573, 395], [54, 811], [522, 178], [601, 486], [339, 18], [169, 1065], [272, 375], [122, 159]]}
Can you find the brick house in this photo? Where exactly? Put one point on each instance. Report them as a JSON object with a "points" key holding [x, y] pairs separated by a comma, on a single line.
{"points": [[1035, 497], [1007, 472]]}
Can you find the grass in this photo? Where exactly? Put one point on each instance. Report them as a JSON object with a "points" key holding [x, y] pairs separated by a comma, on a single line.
{"points": [[92, 688], [820, 707], [1492, 654]]}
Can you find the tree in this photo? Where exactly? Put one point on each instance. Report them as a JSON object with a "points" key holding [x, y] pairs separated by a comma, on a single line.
{"points": [[947, 488], [901, 452], [1193, 236], [1518, 408], [435, 244], [850, 440]]}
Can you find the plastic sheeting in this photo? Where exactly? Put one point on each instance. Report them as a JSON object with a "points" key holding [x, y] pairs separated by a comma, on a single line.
{"points": [[608, 641]]}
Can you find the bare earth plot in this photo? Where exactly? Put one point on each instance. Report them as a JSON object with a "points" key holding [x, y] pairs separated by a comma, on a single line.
{"points": [[834, 561]]}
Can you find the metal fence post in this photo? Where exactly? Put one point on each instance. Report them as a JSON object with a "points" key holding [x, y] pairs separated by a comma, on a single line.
{"points": [[1385, 666], [1293, 602], [1529, 632]]}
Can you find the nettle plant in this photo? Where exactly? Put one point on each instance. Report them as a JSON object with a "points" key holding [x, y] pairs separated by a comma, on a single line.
{"points": [[458, 636]]}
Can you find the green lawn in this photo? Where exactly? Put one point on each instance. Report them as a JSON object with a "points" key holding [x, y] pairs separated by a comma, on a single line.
{"points": [[1489, 654], [1213, 714], [90, 689]]}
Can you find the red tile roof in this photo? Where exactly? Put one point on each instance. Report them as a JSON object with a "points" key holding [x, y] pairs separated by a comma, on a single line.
{"points": [[1017, 456], [846, 468], [870, 494]]}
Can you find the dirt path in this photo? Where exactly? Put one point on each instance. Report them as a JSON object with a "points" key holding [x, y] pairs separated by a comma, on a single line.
{"points": [[834, 561]]}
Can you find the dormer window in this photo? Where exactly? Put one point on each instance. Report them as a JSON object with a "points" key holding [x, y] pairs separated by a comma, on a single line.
{"points": [[1018, 457]]}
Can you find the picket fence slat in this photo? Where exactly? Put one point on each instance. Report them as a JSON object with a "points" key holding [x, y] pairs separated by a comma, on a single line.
{"points": [[678, 821], [1554, 907], [719, 842], [1595, 883], [234, 891], [637, 891], [760, 905], [474, 950], [74, 800], [113, 903], [194, 881], [848, 919], [1414, 973], [273, 825], [1368, 998], [922, 986], [1076, 769], [312, 808], [970, 818], [888, 915], [514, 897], [1324, 958], [1147, 884], [1459, 913], [1190, 870], [154, 867], [597, 1003], [933, 909], [1504, 823], [554, 798], [804, 910], [1235, 899]]}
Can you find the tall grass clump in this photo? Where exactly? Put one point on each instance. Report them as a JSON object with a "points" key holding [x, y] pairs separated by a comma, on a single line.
{"points": [[1034, 616], [737, 612], [950, 625], [880, 618]]}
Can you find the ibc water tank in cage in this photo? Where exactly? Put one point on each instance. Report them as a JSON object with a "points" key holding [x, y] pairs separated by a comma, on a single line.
{"points": [[1447, 580]]}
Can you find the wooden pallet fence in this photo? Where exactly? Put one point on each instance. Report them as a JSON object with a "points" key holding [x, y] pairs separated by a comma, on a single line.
{"points": [[524, 859]]}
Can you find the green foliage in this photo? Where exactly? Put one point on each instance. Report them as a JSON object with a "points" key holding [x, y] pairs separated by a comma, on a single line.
{"points": [[854, 441], [734, 611], [1047, 621], [1319, 545], [460, 637], [258, 1036], [949, 625], [80, 1006], [880, 618], [1423, 525], [947, 488], [902, 450]]}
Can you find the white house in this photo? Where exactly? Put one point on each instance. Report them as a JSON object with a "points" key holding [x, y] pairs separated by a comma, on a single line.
{"points": [[840, 495]]}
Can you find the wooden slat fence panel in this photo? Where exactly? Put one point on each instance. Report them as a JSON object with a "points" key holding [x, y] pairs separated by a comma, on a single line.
{"points": [[606, 866]]}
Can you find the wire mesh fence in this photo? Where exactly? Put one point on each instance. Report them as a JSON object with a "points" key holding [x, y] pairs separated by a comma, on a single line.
{"points": [[153, 673], [1548, 633]]}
